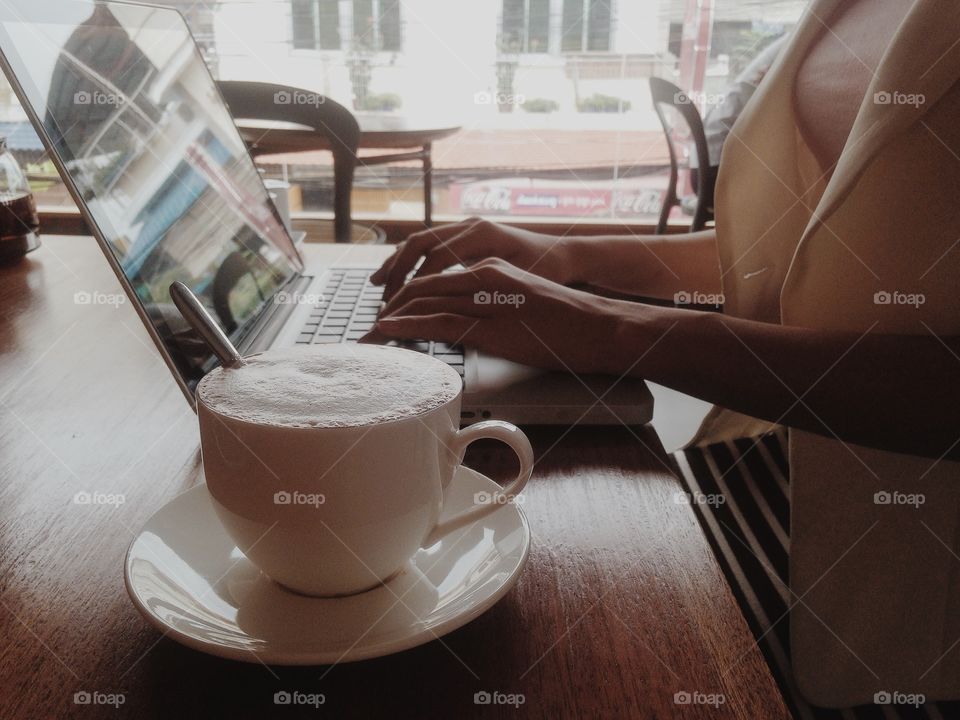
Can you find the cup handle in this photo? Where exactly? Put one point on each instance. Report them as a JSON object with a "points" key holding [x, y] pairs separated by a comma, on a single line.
{"points": [[518, 442]]}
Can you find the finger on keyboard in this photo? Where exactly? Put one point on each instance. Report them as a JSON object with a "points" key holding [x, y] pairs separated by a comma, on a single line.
{"points": [[374, 337]]}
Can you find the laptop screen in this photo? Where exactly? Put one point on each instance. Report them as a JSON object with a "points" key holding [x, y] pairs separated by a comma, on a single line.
{"points": [[126, 101]]}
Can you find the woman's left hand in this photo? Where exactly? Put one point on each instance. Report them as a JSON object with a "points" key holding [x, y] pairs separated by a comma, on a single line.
{"points": [[502, 310]]}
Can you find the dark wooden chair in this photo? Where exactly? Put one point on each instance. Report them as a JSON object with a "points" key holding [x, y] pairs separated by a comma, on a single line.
{"points": [[666, 94], [258, 101]]}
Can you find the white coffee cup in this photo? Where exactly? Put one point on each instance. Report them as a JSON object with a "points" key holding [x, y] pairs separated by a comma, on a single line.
{"points": [[334, 510]]}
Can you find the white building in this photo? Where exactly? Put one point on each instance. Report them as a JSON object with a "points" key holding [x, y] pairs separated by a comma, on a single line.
{"points": [[451, 56]]}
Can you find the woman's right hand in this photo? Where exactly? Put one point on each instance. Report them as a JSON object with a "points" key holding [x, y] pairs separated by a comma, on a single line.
{"points": [[469, 242]]}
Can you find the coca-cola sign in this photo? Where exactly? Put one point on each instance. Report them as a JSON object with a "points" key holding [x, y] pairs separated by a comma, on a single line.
{"points": [[493, 199], [485, 199]]}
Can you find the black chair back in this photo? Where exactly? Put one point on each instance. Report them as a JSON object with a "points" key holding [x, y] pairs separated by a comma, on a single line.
{"points": [[665, 93], [258, 101]]}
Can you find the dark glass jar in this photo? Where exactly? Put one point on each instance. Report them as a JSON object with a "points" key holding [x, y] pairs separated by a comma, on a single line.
{"points": [[19, 224]]}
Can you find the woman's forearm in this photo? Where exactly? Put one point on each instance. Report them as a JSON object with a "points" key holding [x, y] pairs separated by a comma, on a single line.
{"points": [[656, 266], [893, 392]]}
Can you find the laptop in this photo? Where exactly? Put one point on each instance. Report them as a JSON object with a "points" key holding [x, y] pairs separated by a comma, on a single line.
{"points": [[132, 118]]}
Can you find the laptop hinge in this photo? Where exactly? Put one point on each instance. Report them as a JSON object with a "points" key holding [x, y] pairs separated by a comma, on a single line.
{"points": [[273, 317]]}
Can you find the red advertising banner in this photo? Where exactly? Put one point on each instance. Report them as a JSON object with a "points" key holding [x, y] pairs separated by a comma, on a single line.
{"points": [[495, 199]]}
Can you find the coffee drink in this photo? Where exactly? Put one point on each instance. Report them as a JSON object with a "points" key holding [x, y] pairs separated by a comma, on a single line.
{"points": [[344, 385], [327, 464]]}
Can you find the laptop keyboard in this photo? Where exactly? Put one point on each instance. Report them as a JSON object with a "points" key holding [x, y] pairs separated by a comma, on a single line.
{"points": [[348, 311]]}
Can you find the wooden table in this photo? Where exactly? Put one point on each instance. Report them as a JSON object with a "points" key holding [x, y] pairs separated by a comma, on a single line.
{"points": [[379, 132], [621, 606]]}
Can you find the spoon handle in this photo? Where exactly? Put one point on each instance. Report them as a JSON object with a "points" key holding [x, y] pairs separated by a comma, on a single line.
{"points": [[201, 321]]}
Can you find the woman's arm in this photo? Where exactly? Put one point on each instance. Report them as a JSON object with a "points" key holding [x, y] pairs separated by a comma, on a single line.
{"points": [[655, 266], [648, 266], [893, 392]]}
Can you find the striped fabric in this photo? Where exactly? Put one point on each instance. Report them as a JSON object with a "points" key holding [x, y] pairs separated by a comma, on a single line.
{"points": [[740, 492]]}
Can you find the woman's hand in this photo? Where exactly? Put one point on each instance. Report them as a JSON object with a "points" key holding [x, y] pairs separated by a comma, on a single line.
{"points": [[822, 381], [507, 312], [470, 241]]}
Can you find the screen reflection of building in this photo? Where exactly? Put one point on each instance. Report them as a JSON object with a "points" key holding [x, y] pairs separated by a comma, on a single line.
{"points": [[176, 197], [99, 67]]}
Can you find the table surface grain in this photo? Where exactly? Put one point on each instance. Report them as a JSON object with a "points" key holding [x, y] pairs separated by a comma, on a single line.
{"points": [[621, 605]]}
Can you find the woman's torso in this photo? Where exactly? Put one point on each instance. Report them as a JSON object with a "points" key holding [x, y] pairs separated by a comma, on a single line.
{"points": [[837, 70], [830, 259]]}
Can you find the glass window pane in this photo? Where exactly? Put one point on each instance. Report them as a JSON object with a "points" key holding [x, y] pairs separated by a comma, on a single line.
{"points": [[598, 26], [513, 31], [572, 40], [304, 24], [566, 134], [390, 25], [329, 25], [364, 28], [539, 26]]}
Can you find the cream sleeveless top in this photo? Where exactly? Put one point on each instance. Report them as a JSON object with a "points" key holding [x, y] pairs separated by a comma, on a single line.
{"points": [[875, 587]]}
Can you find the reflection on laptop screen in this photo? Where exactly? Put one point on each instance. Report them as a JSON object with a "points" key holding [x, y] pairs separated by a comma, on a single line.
{"points": [[129, 106]]}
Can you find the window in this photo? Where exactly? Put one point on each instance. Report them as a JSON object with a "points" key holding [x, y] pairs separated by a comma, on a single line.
{"points": [[551, 95], [376, 25], [586, 26], [526, 26], [598, 25], [316, 24], [390, 27]]}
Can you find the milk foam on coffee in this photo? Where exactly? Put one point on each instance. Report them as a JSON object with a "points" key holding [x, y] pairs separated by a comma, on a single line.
{"points": [[330, 386]]}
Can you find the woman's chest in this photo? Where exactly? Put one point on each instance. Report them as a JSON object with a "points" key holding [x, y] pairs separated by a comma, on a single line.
{"points": [[837, 70]]}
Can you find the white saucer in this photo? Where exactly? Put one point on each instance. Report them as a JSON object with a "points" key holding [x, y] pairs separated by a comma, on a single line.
{"points": [[187, 577]]}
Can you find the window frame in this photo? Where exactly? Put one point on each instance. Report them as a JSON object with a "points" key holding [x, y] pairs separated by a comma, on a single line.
{"points": [[586, 22], [524, 30], [350, 43], [378, 14], [317, 36]]}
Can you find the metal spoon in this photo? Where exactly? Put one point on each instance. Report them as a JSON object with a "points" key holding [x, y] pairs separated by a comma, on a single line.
{"points": [[199, 319]]}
